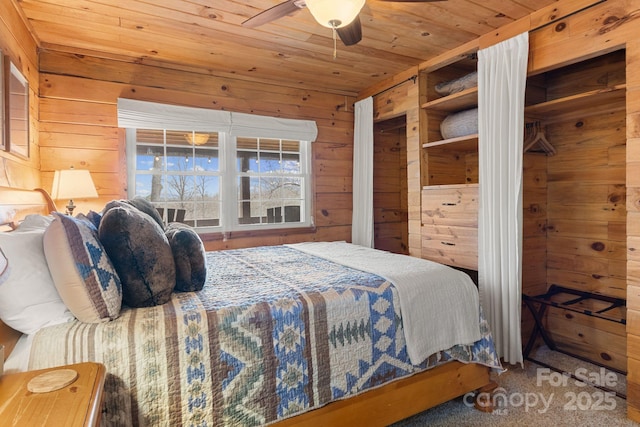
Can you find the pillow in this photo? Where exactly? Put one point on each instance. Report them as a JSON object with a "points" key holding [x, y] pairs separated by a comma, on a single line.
{"points": [[4, 267], [92, 217], [147, 207], [141, 255], [457, 85], [189, 256], [28, 298], [82, 272], [458, 124], [141, 204], [34, 222]]}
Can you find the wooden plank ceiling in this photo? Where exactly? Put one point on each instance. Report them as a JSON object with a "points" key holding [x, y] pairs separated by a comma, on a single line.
{"points": [[293, 51]]}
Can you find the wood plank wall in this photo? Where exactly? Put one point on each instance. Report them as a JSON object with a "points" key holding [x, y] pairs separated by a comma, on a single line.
{"points": [[78, 95], [18, 46], [633, 228], [390, 186], [393, 98], [534, 233], [586, 218]]}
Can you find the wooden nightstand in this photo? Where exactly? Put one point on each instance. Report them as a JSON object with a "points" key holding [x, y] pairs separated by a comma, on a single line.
{"points": [[78, 404]]}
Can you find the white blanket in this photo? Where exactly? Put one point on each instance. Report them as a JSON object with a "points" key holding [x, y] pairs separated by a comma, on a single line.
{"points": [[439, 304]]}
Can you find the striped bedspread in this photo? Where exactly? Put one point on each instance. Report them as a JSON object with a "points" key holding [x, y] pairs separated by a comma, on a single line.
{"points": [[274, 333]]}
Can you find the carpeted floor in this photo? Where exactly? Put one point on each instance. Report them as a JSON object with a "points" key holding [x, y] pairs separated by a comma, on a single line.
{"points": [[537, 396]]}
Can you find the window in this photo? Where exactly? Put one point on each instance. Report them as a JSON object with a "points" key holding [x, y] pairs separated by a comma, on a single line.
{"points": [[220, 182], [270, 180], [182, 179], [219, 170]]}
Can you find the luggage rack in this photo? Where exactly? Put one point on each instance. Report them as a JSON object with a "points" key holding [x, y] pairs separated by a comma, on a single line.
{"points": [[576, 297]]}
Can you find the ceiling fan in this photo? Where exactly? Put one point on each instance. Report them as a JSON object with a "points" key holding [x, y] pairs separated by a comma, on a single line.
{"points": [[339, 15]]}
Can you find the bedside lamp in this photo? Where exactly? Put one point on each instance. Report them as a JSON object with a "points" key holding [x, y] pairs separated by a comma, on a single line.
{"points": [[73, 184]]}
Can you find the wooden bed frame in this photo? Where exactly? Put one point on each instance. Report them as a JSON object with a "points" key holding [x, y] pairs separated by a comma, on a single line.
{"points": [[382, 406]]}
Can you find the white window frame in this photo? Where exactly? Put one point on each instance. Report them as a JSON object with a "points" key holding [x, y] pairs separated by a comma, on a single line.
{"points": [[228, 184]]}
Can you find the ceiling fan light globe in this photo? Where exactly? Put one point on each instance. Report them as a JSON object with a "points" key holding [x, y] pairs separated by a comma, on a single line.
{"points": [[335, 13]]}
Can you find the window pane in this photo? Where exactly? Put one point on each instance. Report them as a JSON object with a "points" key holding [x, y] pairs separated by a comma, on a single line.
{"points": [[250, 212], [207, 213], [291, 146], [179, 188], [143, 185], [207, 161], [206, 188], [254, 189], [244, 144], [292, 188], [150, 136], [291, 163], [179, 138], [271, 188], [179, 159], [269, 162], [292, 210], [269, 144], [149, 158]]}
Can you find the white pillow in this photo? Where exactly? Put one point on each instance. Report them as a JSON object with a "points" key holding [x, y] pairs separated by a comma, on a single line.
{"points": [[34, 222], [4, 267], [28, 298]]}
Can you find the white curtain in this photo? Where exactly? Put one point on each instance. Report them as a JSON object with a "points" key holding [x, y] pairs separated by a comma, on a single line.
{"points": [[362, 221], [502, 72]]}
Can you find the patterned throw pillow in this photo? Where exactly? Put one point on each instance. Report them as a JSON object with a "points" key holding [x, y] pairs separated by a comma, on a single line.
{"points": [[82, 272], [189, 256], [92, 217], [141, 254]]}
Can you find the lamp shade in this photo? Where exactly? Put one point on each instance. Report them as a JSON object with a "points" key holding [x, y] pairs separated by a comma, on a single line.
{"points": [[73, 184], [335, 13]]}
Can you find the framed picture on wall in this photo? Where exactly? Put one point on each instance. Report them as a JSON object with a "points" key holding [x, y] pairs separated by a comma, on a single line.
{"points": [[17, 122], [3, 128]]}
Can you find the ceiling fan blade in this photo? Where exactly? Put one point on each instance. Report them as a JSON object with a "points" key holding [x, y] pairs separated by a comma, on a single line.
{"points": [[278, 11], [352, 33]]}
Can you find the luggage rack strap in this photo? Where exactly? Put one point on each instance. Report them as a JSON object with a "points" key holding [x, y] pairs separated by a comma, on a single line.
{"points": [[581, 296], [544, 301]]}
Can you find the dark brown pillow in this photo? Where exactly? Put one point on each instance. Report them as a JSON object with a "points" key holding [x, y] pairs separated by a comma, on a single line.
{"points": [[140, 253], [189, 256], [141, 204]]}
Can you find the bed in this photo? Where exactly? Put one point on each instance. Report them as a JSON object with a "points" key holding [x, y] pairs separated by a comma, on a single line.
{"points": [[284, 335]]}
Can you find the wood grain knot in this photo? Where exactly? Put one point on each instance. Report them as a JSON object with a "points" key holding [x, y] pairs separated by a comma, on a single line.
{"points": [[560, 26], [611, 20], [597, 246]]}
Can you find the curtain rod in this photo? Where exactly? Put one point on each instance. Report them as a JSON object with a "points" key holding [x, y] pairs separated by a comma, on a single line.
{"points": [[412, 78]]}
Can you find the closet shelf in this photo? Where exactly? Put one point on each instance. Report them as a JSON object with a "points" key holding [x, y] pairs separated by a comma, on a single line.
{"points": [[585, 104], [468, 98], [459, 144]]}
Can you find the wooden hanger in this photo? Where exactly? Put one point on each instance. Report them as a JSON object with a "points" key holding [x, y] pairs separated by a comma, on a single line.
{"points": [[535, 135]]}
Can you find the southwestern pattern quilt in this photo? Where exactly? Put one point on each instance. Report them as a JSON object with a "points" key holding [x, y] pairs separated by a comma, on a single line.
{"points": [[275, 332]]}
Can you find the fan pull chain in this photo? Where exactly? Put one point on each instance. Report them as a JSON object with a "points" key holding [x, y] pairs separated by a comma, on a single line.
{"points": [[335, 43]]}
